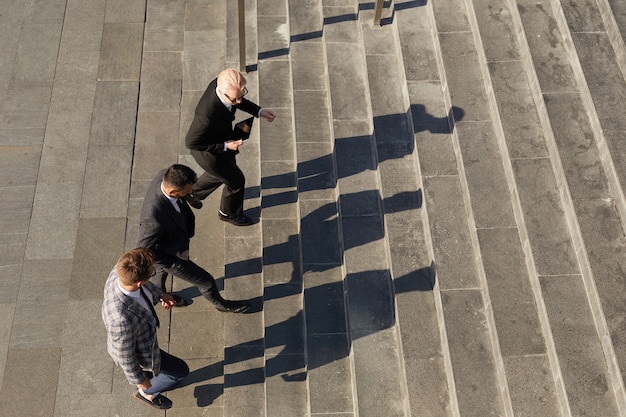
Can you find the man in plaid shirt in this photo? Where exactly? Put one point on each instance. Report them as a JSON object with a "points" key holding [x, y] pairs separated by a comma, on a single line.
{"points": [[131, 323]]}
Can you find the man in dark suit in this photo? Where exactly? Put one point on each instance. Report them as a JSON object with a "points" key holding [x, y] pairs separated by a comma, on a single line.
{"points": [[166, 224], [214, 145]]}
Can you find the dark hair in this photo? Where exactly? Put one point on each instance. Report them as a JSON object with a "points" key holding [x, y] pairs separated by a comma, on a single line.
{"points": [[179, 176], [135, 266]]}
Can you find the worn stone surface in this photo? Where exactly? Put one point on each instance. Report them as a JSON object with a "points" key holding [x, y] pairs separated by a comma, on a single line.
{"points": [[364, 269]]}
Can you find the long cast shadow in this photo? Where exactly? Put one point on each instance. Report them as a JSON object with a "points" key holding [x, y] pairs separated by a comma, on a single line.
{"points": [[319, 247]]}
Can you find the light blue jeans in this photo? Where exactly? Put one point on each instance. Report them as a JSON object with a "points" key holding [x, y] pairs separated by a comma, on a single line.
{"points": [[173, 369]]}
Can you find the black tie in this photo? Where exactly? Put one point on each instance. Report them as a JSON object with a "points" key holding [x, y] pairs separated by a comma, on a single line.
{"points": [[145, 297], [187, 216]]}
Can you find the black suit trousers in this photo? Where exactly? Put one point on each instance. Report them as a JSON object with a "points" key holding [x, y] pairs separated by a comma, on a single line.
{"points": [[220, 170], [192, 273]]}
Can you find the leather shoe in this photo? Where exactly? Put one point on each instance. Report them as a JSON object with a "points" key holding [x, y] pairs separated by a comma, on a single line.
{"points": [[241, 220], [234, 307], [159, 402], [179, 301], [193, 201]]}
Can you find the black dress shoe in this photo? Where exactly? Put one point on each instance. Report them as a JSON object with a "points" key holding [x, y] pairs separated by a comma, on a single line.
{"points": [[234, 307], [159, 402], [193, 201], [179, 301], [241, 220]]}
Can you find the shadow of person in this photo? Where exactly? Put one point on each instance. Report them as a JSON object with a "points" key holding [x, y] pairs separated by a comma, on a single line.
{"points": [[206, 394], [423, 121], [422, 279]]}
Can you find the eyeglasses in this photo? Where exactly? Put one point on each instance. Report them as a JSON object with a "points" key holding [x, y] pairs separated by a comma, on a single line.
{"points": [[235, 100]]}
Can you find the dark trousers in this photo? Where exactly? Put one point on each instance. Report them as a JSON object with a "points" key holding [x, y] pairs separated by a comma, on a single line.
{"points": [[220, 170], [192, 273], [173, 369]]}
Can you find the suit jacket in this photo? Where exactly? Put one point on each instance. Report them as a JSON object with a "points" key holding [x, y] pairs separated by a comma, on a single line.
{"points": [[131, 331], [161, 228], [212, 124]]}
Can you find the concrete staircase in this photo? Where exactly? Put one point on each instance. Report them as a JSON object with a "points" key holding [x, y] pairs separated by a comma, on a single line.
{"points": [[441, 203], [441, 211]]}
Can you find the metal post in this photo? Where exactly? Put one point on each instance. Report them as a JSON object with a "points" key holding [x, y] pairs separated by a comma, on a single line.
{"points": [[242, 36], [378, 11]]}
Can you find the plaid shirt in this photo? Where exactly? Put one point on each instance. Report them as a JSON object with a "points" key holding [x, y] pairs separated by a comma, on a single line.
{"points": [[131, 331]]}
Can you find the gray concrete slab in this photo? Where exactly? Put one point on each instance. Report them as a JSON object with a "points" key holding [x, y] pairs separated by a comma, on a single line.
{"points": [[300, 174], [203, 58], [553, 71], [52, 233], [161, 82], [599, 223], [545, 221], [342, 59], [110, 199], [312, 116], [520, 121], [578, 149], [120, 53], [514, 306], [385, 396], [530, 385], [330, 383], [156, 144], [114, 113], [165, 26], [119, 11], [498, 32], [64, 154], [451, 17], [471, 353], [41, 365], [580, 355], [448, 225], [37, 51], [465, 81], [341, 24], [25, 105], [307, 65], [485, 175]]}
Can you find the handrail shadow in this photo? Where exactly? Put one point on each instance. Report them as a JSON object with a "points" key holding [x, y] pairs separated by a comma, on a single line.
{"points": [[330, 20]]}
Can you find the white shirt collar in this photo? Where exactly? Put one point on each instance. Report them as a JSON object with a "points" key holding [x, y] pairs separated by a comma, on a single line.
{"points": [[228, 105], [173, 200]]}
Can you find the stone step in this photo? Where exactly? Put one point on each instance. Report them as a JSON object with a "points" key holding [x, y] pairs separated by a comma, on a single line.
{"points": [[588, 196], [329, 361], [601, 211], [417, 322], [378, 382]]}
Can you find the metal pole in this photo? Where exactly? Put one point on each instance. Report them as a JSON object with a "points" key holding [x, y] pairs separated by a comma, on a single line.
{"points": [[242, 36], [378, 11]]}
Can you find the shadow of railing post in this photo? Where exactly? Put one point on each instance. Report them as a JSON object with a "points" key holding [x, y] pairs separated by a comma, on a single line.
{"points": [[242, 35]]}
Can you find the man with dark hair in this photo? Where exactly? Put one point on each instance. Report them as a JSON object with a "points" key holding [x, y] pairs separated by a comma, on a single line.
{"points": [[166, 224], [214, 145], [131, 323]]}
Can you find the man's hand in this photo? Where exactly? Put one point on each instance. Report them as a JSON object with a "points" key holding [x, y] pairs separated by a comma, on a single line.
{"points": [[267, 115], [167, 301], [233, 145]]}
